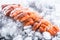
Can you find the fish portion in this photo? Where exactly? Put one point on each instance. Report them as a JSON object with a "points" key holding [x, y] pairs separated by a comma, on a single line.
{"points": [[28, 17]]}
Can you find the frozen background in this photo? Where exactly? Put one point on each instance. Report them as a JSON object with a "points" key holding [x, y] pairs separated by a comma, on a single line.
{"points": [[13, 30]]}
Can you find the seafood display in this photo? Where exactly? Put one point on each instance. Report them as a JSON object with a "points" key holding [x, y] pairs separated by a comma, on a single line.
{"points": [[28, 17]]}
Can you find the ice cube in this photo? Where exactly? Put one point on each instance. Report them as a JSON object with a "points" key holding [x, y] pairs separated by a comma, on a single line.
{"points": [[35, 38], [54, 38], [27, 31], [38, 34], [19, 37], [46, 35], [31, 33], [28, 38], [27, 27]]}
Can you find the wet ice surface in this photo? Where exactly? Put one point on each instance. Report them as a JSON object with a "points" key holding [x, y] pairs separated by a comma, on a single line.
{"points": [[13, 30]]}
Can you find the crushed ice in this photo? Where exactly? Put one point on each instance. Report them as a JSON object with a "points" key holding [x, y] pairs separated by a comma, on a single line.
{"points": [[14, 30]]}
